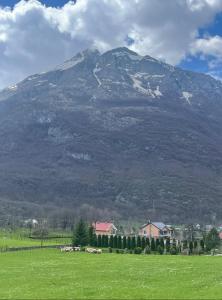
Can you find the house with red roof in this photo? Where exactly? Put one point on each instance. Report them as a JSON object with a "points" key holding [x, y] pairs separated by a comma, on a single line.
{"points": [[104, 228]]}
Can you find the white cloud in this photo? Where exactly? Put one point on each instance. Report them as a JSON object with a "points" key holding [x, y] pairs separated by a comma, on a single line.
{"points": [[34, 38]]}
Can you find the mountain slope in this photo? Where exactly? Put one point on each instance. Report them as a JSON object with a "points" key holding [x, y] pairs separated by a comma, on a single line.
{"points": [[112, 135]]}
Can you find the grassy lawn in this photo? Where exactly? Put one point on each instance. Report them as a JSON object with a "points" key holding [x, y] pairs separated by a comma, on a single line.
{"points": [[19, 239], [45, 274]]}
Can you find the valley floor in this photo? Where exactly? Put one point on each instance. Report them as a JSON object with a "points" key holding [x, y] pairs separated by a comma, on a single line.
{"points": [[51, 274]]}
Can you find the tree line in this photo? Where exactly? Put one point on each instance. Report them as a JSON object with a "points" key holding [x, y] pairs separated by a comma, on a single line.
{"points": [[85, 235]]}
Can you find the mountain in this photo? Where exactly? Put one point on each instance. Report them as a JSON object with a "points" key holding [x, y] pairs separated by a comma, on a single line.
{"points": [[112, 135]]}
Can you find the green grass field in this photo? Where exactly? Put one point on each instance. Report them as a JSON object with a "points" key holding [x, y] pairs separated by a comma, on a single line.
{"points": [[50, 274], [20, 239]]}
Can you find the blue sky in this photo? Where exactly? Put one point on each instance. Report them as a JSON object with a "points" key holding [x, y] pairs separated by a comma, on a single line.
{"points": [[35, 38]]}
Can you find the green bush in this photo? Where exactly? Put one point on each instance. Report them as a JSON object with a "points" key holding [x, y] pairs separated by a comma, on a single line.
{"points": [[117, 251], [110, 250], [138, 250], [160, 250], [173, 250], [147, 250]]}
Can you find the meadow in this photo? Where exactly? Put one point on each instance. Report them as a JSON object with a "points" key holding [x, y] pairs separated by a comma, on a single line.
{"points": [[50, 274], [19, 238]]}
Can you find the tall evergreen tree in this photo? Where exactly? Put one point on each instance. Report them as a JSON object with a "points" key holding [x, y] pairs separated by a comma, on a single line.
{"points": [[92, 236], [157, 243], [162, 243], [133, 243], [195, 244], [191, 246], [119, 242], [143, 242], [103, 240], [147, 242], [124, 242], [185, 244], [202, 244], [129, 246], [99, 241], [80, 236], [212, 239], [153, 245], [167, 245], [115, 241], [111, 241], [106, 242], [138, 242]]}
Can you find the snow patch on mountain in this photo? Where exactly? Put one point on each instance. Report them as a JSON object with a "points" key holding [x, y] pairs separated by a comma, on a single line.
{"points": [[96, 70], [71, 63], [187, 96]]}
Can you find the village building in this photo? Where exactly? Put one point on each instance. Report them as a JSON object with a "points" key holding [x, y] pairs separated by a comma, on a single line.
{"points": [[104, 228], [156, 230]]}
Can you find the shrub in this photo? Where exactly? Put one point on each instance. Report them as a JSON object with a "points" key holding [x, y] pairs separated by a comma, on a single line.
{"points": [[83, 249], [117, 251], [131, 251], [138, 250], [110, 250], [160, 250], [147, 250], [173, 250]]}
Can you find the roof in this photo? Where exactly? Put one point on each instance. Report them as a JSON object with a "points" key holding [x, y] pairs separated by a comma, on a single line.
{"points": [[159, 225], [103, 226]]}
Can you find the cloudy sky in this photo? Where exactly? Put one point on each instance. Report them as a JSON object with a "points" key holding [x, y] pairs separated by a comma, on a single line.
{"points": [[37, 35]]}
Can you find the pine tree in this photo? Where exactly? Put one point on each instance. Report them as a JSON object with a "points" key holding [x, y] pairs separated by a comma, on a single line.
{"points": [[92, 236], [119, 242], [212, 239], [129, 244], [124, 242], [115, 241], [167, 245], [80, 236], [195, 244], [133, 243], [185, 244], [147, 242], [153, 248], [99, 241], [138, 241], [157, 243], [202, 244], [106, 242], [103, 241], [191, 246], [143, 242], [162, 243], [111, 241]]}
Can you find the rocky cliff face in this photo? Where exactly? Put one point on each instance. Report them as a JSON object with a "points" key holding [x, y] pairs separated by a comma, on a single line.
{"points": [[118, 133]]}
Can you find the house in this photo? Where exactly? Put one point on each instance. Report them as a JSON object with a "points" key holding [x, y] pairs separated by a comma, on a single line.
{"points": [[220, 235], [104, 228], [156, 230]]}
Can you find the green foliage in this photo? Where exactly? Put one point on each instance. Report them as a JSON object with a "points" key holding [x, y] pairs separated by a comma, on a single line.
{"points": [[167, 245], [115, 241], [147, 242], [124, 242], [138, 242], [157, 243], [212, 239], [202, 244], [110, 250], [111, 241], [133, 243], [138, 250], [162, 243], [129, 246], [147, 250], [119, 242], [153, 245], [185, 244], [80, 236], [99, 241], [195, 244], [191, 247], [173, 250], [143, 243], [92, 237], [160, 249], [105, 241]]}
